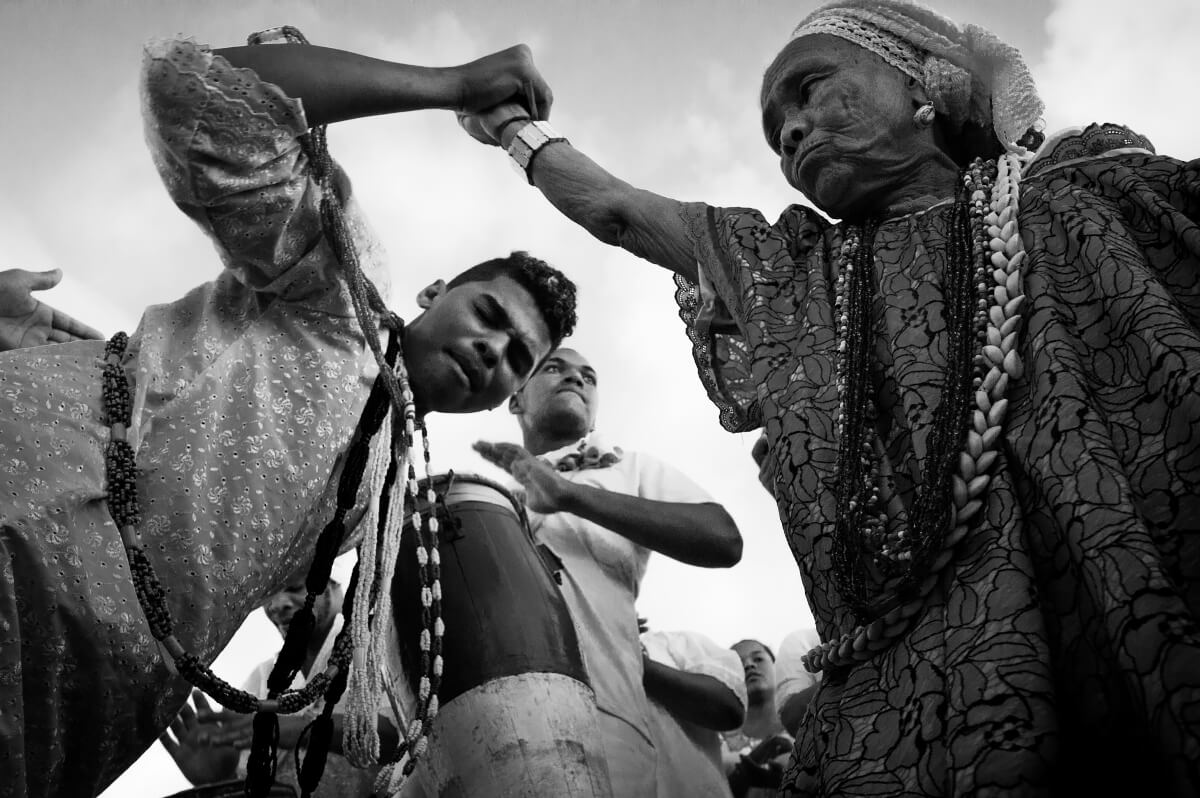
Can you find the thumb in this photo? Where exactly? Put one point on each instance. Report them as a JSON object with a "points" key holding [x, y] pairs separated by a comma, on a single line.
{"points": [[40, 281]]}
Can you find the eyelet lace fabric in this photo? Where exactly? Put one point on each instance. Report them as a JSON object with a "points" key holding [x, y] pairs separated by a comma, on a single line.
{"points": [[245, 391]]}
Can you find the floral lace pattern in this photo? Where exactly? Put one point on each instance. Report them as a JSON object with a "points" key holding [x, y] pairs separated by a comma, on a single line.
{"points": [[1065, 631], [246, 392]]}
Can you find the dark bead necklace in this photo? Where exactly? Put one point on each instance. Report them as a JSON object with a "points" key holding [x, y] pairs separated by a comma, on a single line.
{"points": [[878, 559]]}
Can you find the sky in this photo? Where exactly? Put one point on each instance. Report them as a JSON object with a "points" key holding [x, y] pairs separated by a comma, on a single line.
{"points": [[664, 94]]}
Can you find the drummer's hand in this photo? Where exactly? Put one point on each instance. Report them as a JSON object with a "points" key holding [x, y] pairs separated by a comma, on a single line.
{"points": [[189, 744], [237, 730], [545, 489]]}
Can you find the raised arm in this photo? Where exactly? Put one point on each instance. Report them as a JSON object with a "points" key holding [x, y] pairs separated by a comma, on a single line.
{"points": [[646, 224], [693, 697], [336, 85]]}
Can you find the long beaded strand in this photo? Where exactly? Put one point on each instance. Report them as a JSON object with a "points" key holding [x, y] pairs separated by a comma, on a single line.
{"points": [[426, 528], [996, 361]]}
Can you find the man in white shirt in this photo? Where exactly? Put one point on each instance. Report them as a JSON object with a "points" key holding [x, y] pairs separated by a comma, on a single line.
{"points": [[696, 690], [601, 511]]}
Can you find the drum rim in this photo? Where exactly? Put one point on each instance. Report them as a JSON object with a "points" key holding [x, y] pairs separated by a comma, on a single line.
{"points": [[440, 486]]}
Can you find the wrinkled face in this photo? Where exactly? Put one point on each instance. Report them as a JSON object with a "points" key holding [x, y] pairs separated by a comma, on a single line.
{"points": [[474, 346], [759, 669], [841, 120], [561, 397], [283, 606]]}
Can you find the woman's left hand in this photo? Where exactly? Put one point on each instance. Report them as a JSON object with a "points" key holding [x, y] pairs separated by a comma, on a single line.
{"points": [[486, 126], [545, 489]]}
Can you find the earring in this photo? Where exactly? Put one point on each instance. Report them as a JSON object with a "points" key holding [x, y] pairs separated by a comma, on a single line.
{"points": [[924, 115]]}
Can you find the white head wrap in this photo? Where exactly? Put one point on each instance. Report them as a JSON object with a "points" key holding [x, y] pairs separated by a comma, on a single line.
{"points": [[968, 73]]}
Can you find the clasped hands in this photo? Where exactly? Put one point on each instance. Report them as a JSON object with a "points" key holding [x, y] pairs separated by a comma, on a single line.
{"points": [[546, 491], [501, 88]]}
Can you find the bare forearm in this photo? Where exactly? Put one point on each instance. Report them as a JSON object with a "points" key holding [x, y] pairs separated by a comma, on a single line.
{"points": [[336, 85], [693, 697], [697, 534], [641, 222]]}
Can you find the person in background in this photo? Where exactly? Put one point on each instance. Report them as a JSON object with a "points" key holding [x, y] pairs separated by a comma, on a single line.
{"points": [[756, 753], [696, 690], [795, 685], [212, 746], [601, 510]]}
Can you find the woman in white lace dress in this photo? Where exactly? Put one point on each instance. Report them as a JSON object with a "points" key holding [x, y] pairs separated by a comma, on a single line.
{"points": [[245, 393]]}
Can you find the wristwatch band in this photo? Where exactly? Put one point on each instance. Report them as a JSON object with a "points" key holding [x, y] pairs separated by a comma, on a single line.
{"points": [[530, 139]]}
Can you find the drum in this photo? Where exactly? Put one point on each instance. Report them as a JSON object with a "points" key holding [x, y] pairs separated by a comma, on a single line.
{"points": [[232, 789], [518, 717]]}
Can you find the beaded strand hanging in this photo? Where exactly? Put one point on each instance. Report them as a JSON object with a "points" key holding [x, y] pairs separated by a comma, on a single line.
{"points": [[390, 393], [984, 299]]}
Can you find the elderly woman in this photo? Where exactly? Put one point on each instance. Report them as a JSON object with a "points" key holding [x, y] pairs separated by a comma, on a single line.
{"points": [[979, 393]]}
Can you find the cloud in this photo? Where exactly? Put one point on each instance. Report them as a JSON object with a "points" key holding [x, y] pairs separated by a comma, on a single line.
{"points": [[1109, 61]]}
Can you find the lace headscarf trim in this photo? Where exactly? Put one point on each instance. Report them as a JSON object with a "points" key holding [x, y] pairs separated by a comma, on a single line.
{"points": [[969, 73]]}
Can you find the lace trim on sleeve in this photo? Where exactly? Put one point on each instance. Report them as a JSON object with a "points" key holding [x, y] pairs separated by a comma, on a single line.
{"points": [[719, 350]]}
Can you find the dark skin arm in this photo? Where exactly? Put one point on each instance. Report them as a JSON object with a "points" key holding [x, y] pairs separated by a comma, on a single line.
{"points": [[336, 85], [644, 223], [693, 697], [697, 534], [792, 712]]}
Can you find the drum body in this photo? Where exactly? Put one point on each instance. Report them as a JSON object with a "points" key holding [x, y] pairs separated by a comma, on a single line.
{"points": [[232, 789], [518, 717]]}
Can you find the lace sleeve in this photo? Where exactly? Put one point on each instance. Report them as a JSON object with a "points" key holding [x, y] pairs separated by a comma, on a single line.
{"points": [[742, 263], [227, 146]]}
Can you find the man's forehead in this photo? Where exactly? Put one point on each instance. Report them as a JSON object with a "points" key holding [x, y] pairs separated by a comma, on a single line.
{"points": [[520, 306], [570, 356]]}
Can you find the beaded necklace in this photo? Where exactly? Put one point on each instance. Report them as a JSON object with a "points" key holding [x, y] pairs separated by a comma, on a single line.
{"points": [[869, 546], [390, 392]]}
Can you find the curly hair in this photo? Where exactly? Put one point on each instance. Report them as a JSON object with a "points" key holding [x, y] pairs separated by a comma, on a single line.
{"points": [[553, 292]]}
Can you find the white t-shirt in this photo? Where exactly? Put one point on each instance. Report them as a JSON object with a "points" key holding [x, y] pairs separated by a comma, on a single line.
{"points": [[680, 772], [602, 572], [791, 677]]}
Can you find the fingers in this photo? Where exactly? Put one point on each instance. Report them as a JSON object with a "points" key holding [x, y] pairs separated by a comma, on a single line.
{"points": [[73, 329], [186, 718], [542, 96], [169, 744], [201, 702], [475, 129], [25, 280], [504, 455], [40, 281]]}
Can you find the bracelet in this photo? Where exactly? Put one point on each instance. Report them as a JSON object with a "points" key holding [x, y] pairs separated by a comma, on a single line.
{"points": [[529, 140]]}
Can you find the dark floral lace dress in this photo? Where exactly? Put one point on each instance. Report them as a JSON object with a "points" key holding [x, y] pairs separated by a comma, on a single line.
{"points": [[1060, 652]]}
